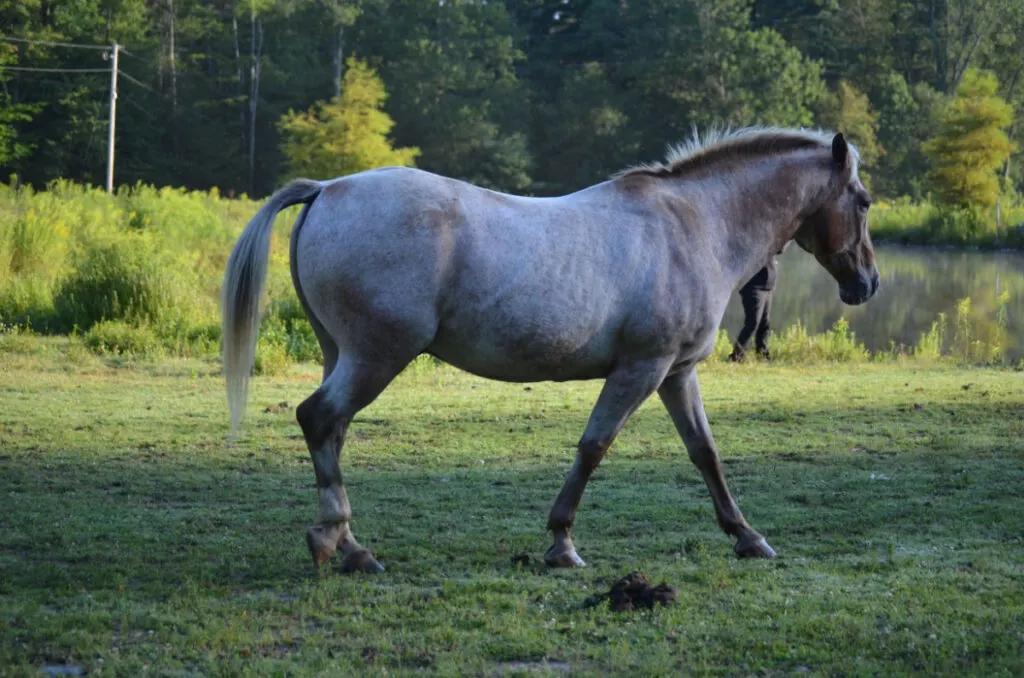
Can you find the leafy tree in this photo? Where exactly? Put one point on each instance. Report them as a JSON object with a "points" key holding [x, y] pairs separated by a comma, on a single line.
{"points": [[346, 135], [451, 69], [906, 112], [849, 111], [1004, 56], [11, 146], [705, 65], [971, 146]]}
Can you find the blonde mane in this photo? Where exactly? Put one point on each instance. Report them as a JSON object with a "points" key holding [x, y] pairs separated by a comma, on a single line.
{"points": [[722, 145]]}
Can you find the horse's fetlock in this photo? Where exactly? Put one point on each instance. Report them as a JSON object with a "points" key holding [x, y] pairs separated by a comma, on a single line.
{"points": [[334, 508], [561, 520]]}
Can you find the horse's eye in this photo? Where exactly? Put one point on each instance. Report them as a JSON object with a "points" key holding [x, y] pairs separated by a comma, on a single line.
{"points": [[863, 201]]}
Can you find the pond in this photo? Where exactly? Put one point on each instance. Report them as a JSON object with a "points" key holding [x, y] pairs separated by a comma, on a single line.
{"points": [[918, 284]]}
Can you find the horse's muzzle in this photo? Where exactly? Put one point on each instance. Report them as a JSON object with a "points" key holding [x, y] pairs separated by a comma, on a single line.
{"points": [[862, 290]]}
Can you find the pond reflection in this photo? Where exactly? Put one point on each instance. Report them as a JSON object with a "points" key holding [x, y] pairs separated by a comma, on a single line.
{"points": [[917, 285]]}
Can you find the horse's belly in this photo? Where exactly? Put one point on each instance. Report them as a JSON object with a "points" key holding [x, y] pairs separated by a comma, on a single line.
{"points": [[524, 356]]}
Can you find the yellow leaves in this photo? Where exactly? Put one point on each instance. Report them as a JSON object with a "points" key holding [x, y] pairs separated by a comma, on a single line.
{"points": [[971, 145], [345, 135]]}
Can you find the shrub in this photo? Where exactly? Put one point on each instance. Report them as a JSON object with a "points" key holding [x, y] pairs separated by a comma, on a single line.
{"points": [[125, 279], [285, 322], [723, 347], [15, 339], [271, 357], [113, 337], [838, 344], [929, 347]]}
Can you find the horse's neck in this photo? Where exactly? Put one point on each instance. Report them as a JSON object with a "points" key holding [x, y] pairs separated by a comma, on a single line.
{"points": [[751, 214]]}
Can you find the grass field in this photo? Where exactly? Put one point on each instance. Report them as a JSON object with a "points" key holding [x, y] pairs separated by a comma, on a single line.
{"points": [[135, 538]]}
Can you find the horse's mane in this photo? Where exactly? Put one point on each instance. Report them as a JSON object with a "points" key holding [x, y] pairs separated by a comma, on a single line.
{"points": [[723, 145]]}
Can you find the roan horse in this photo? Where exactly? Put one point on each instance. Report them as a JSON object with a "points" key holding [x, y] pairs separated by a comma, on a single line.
{"points": [[625, 281]]}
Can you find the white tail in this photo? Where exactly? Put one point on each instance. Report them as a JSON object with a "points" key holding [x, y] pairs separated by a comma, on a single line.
{"points": [[243, 286]]}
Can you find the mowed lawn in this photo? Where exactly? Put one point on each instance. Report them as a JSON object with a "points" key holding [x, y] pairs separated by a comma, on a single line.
{"points": [[135, 538]]}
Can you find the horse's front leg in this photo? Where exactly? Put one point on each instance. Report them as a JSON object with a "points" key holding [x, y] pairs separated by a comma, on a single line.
{"points": [[680, 393], [625, 390]]}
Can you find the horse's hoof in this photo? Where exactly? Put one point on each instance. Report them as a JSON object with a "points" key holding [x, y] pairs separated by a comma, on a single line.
{"points": [[564, 559], [361, 561], [754, 547], [321, 546]]}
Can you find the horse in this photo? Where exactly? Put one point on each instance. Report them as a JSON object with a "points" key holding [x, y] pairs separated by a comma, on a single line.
{"points": [[625, 281]]}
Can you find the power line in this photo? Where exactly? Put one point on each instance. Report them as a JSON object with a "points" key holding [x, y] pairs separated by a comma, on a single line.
{"points": [[50, 43], [131, 79], [54, 70]]}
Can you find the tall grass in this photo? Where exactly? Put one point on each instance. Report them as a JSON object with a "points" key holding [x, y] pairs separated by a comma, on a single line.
{"points": [[924, 223], [145, 260], [139, 273]]}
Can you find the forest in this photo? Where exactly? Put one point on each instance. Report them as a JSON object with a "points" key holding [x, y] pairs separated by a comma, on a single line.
{"points": [[531, 96]]}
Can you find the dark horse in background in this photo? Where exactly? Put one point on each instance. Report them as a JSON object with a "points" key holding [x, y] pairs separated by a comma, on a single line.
{"points": [[625, 281]]}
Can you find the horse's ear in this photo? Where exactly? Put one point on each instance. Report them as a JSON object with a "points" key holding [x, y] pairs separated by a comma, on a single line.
{"points": [[840, 150]]}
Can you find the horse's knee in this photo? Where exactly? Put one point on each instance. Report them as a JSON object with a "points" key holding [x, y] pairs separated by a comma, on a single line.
{"points": [[590, 453]]}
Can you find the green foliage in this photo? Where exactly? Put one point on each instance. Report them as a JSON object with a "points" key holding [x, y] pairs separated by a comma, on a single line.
{"points": [[451, 69], [117, 338], [347, 135], [849, 111], [907, 113], [837, 345], [970, 145], [74, 256], [932, 341], [284, 323], [723, 347], [923, 223], [15, 339], [271, 357], [539, 97], [127, 279], [11, 147]]}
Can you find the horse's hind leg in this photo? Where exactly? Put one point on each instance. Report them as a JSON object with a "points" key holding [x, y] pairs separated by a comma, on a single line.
{"points": [[324, 417], [681, 395]]}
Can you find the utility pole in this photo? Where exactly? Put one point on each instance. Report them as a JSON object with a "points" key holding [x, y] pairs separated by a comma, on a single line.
{"points": [[113, 120]]}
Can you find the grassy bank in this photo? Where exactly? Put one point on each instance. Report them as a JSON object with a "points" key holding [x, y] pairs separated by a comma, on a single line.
{"points": [[908, 223], [136, 539]]}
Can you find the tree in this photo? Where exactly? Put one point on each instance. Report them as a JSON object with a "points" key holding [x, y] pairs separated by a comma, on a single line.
{"points": [[849, 111], [703, 64], [452, 71], [971, 146], [908, 122], [11, 146], [346, 135]]}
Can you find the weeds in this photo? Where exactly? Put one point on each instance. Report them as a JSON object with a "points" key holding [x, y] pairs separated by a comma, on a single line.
{"points": [[923, 223]]}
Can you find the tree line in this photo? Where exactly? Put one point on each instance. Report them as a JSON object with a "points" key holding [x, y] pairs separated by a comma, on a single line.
{"points": [[532, 96]]}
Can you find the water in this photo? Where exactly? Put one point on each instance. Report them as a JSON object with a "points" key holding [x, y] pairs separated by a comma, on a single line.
{"points": [[917, 285]]}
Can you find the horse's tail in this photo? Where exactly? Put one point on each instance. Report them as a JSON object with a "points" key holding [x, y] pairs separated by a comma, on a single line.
{"points": [[243, 286]]}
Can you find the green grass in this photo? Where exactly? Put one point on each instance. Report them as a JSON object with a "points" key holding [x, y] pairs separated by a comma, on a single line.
{"points": [[927, 223], [135, 538]]}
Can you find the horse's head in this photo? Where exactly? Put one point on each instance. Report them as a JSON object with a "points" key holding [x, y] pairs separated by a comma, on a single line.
{"points": [[837, 233]]}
